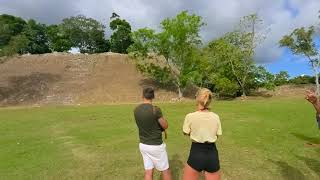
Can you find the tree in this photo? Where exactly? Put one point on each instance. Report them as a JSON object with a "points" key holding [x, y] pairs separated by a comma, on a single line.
{"points": [[225, 87], [301, 42], [303, 79], [265, 79], [144, 42], [216, 67], [121, 39], [175, 48], [57, 40], [87, 34], [17, 45], [38, 40], [246, 38], [281, 78], [10, 26]]}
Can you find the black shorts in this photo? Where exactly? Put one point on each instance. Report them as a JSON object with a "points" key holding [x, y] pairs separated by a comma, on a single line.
{"points": [[204, 157]]}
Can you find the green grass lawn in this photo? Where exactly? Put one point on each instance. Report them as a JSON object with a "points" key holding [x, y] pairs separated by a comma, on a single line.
{"points": [[262, 139]]}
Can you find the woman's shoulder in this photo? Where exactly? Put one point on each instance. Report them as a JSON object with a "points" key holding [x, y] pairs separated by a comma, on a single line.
{"points": [[191, 114], [214, 114]]}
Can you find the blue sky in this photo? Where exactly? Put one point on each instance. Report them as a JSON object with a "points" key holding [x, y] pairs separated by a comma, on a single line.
{"points": [[294, 65]]}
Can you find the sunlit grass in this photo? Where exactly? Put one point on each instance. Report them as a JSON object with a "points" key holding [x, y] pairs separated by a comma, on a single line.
{"points": [[262, 139]]}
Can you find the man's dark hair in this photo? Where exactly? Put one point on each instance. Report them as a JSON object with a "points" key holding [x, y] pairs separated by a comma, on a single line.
{"points": [[148, 93]]}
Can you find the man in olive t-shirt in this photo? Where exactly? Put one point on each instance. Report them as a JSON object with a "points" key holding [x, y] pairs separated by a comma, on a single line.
{"points": [[151, 124], [150, 130]]}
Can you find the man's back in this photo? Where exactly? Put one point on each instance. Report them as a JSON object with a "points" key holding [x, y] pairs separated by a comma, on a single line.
{"points": [[150, 131]]}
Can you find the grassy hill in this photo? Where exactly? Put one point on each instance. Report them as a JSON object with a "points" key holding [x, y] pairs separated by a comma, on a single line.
{"points": [[72, 79]]}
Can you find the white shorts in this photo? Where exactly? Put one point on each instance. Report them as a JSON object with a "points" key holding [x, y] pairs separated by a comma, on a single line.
{"points": [[154, 156]]}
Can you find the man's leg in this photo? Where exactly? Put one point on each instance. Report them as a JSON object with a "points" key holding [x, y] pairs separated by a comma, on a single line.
{"points": [[147, 162], [162, 162], [166, 174], [148, 174]]}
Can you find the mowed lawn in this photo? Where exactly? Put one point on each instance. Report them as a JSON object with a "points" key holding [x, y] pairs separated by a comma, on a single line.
{"points": [[262, 139]]}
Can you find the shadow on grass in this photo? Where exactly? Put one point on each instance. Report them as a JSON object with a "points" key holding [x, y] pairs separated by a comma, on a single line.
{"points": [[313, 164], [310, 140], [176, 167], [289, 172]]}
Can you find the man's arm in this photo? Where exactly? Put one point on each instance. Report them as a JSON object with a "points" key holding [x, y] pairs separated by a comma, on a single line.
{"points": [[317, 107], [163, 123], [313, 99]]}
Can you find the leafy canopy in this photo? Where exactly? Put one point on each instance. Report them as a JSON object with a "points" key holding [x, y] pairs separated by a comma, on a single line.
{"points": [[176, 45], [121, 38], [85, 33]]}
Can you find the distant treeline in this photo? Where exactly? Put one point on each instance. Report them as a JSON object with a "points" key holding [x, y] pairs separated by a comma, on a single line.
{"points": [[18, 36]]}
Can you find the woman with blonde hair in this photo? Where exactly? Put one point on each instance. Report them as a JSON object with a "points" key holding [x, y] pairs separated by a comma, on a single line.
{"points": [[203, 127]]}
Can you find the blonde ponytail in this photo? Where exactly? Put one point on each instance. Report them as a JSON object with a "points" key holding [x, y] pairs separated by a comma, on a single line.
{"points": [[204, 97]]}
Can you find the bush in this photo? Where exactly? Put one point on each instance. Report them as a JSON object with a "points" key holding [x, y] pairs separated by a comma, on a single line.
{"points": [[302, 80], [226, 88]]}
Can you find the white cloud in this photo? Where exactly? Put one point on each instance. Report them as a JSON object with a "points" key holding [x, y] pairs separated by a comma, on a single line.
{"points": [[281, 16]]}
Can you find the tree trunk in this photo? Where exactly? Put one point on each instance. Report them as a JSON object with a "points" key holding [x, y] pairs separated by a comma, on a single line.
{"points": [[180, 92], [243, 92]]}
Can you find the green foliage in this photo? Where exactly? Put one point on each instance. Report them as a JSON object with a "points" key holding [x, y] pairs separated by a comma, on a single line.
{"points": [[281, 78], [301, 42], [57, 40], [179, 37], [144, 42], [17, 45], [217, 67], [85, 33], [302, 80], [17, 36], [177, 43], [161, 74], [38, 40], [225, 87], [265, 79], [121, 39], [225, 60], [246, 38], [10, 26]]}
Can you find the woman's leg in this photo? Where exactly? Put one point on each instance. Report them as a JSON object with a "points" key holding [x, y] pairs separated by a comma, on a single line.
{"points": [[212, 176], [189, 173]]}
